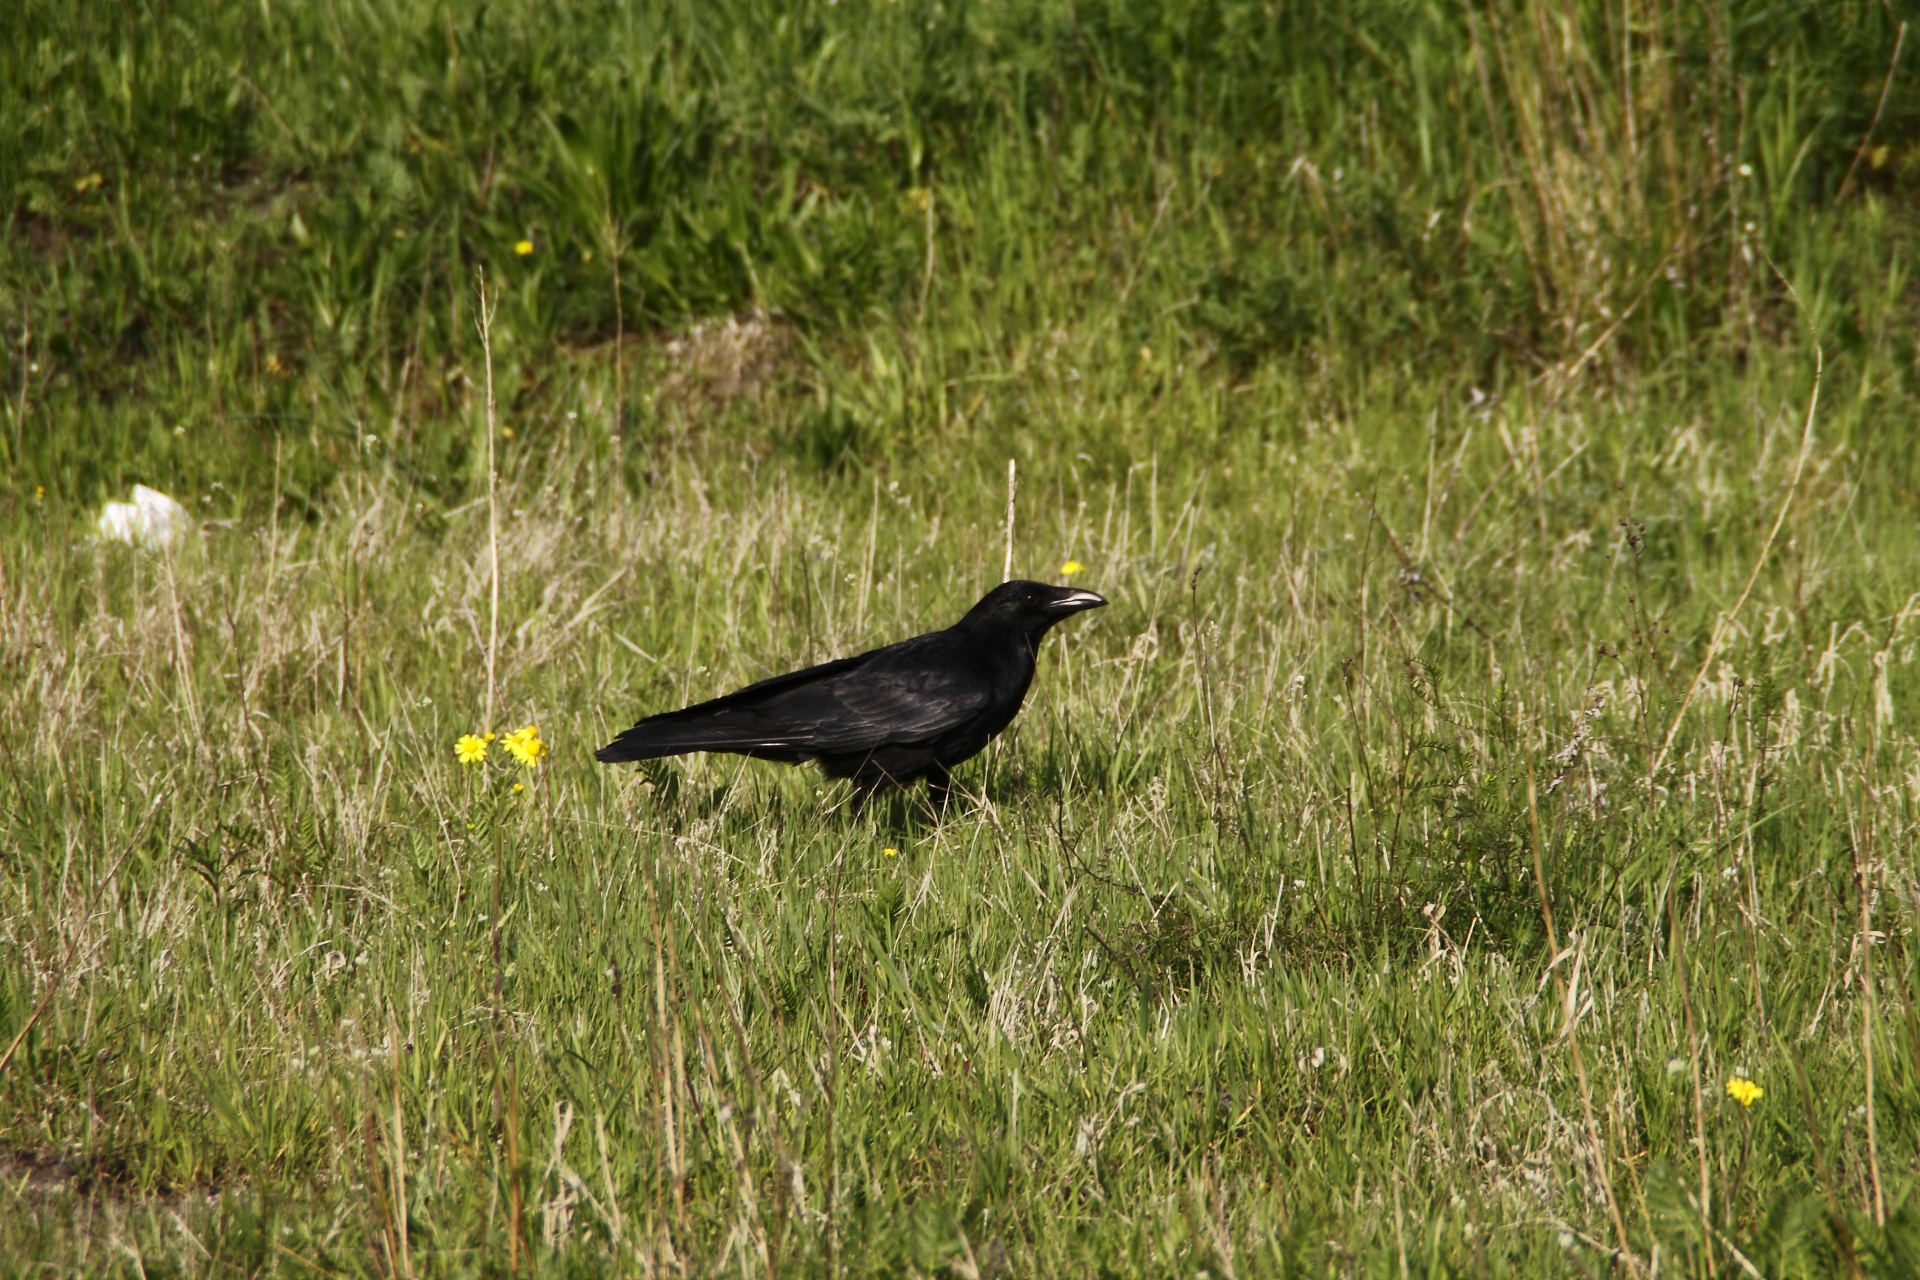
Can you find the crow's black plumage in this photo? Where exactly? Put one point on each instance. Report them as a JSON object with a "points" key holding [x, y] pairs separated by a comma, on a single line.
{"points": [[911, 710]]}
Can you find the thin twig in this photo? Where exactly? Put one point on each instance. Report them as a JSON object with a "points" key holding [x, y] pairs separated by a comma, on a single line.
{"points": [[1863, 873], [73, 942], [1013, 487], [1899, 41], [1140, 258], [926, 279], [833, 1055], [183, 666], [1570, 1008], [1594, 348], [493, 506], [26, 381], [1759, 562], [1533, 827], [1678, 939], [616, 246], [399, 1150]]}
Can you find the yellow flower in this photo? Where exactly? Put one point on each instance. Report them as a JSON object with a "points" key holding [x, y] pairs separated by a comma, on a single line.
{"points": [[518, 787], [471, 749], [525, 745], [1744, 1091], [891, 852], [1071, 567], [523, 247]]}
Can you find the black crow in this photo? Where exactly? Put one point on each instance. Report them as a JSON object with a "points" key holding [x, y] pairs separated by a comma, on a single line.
{"points": [[911, 710]]}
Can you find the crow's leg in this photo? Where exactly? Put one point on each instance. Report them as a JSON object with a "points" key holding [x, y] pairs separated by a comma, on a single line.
{"points": [[868, 781], [940, 790]]}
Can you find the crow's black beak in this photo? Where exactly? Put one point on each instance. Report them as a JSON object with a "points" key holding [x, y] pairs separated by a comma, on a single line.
{"points": [[1075, 601]]}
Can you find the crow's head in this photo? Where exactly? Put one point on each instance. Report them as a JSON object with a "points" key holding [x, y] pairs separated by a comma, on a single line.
{"points": [[1029, 608]]}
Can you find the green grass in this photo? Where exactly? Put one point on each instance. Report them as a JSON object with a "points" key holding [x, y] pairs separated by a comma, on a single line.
{"points": [[1503, 733]]}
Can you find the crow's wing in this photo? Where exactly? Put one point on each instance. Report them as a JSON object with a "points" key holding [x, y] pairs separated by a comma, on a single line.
{"points": [[884, 702], [907, 692]]}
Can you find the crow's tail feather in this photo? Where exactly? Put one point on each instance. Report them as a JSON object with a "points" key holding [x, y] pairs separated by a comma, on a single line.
{"points": [[670, 736]]}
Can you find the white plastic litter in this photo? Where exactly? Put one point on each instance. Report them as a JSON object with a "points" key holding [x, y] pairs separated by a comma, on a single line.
{"points": [[151, 520]]}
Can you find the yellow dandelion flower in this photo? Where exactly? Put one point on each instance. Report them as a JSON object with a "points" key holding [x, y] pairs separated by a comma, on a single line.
{"points": [[1072, 567], [518, 787], [525, 746], [1744, 1091], [891, 852], [523, 247], [471, 749]]}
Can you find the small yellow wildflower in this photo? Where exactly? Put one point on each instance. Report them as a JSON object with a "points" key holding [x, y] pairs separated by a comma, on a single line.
{"points": [[471, 749], [1744, 1091], [523, 247], [525, 746], [891, 852], [273, 364], [518, 787], [1072, 567]]}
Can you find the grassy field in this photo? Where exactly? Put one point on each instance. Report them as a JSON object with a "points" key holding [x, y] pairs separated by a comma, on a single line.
{"points": [[1493, 428]]}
